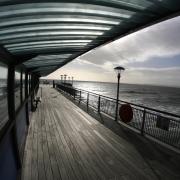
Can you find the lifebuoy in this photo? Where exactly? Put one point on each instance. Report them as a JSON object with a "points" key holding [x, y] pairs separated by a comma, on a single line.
{"points": [[126, 113]]}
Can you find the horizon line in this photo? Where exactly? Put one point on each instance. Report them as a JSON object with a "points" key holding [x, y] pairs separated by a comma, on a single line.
{"points": [[121, 83]]}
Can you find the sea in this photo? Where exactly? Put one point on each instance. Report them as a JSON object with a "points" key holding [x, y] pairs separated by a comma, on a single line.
{"points": [[157, 97], [3, 87]]}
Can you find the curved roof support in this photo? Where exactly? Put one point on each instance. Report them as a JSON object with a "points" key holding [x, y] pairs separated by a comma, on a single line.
{"points": [[45, 28]]}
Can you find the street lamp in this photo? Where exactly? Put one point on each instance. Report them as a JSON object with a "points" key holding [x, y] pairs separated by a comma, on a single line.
{"points": [[65, 78], [69, 79], [72, 80], [61, 78], [118, 70]]}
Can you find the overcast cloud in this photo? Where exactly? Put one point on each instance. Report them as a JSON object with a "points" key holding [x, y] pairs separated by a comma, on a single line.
{"points": [[151, 56], [156, 41]]}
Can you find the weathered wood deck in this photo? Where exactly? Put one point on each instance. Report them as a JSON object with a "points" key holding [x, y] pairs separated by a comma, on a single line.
{"points": [[64, 142]]}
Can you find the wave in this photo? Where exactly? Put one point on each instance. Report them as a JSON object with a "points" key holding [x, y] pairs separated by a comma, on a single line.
{"points": [[138, 92]]}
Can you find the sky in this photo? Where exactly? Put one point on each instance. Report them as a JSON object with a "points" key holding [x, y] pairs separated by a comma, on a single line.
{"points": [[150, 56], [3, 72]]}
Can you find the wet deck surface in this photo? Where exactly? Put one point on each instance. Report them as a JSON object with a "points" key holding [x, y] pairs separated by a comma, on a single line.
{"points": [[64, 142]]}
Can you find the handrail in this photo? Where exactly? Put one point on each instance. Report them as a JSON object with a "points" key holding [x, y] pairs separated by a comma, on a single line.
{"points": [[160, 125], [137, 105]]}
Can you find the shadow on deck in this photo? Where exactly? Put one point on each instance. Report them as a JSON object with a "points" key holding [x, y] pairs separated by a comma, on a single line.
{"points": [[64, 142]]}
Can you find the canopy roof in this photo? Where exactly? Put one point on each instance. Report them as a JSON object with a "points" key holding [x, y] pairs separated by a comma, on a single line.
{"points": [[44, 35]]}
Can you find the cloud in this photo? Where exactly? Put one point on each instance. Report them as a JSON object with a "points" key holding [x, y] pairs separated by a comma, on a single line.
{"points": [[150, 56], [3, 72], [160, 40], [106, 66], [158, 62], [156, 76]]}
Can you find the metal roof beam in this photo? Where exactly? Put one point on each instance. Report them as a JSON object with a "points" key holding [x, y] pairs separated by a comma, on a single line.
{"points": [[130, 5], [49, 38], [6, 57]]}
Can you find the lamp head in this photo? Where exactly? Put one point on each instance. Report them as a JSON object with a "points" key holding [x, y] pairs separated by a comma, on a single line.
{"points": [[118, 70]]}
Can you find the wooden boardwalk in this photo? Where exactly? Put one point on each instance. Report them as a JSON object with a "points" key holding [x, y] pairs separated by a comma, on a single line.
{"points": [[64, 142]]}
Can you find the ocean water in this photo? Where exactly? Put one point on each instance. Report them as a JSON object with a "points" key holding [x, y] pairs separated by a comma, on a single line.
{"points": [[3, 86], [157, 97]]}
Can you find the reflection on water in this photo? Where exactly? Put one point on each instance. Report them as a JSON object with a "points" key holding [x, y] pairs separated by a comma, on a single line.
{"points": [[3, 102], [17, 89], [162, 98]]}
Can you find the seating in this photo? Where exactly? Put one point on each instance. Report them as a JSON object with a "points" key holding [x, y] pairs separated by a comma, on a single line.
{"points": [[37, 100]]}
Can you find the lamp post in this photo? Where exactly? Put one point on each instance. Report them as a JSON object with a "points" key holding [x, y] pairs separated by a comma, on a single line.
{"points": [[118, 69], [72, 80], [61, 78], [65, 78], [69, 79]]}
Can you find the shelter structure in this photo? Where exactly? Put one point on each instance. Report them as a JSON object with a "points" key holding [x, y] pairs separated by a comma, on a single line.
{"points": [[39, 36]]}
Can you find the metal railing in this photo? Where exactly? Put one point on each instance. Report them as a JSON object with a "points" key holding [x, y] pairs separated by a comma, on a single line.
{"points": [[160, 125]]}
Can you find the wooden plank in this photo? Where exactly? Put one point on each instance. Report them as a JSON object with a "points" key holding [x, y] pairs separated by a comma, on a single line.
{"points": [[57, 151], [89, 155], [51, 146], [82, 155], [75, 164], [40, 158], [34, 164], [69, 117], [47, 164], [66, 143]]}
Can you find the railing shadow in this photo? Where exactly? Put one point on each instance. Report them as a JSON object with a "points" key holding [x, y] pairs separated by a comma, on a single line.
{"points": [[150, 151], [162, 126]]}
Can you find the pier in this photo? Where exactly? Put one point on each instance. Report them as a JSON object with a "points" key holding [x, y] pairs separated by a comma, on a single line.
{"points": [[64, 142], [58, 140]]}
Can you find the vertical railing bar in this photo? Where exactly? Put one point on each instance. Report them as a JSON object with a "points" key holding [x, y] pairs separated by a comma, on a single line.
{"points": [[11, 112], [79, 96], [142, 117], [87, 100], [99, 104], [41, 92], [26, 97], [74, 94], [143, 122]]}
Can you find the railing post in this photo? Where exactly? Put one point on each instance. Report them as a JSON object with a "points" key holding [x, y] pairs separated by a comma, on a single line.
{"points": [[21, 87], [99, 104], [143, 122], [41, 92], [116, 112], [32, 92], [26, 97], [87, 100], [11, 112], [74, 94], [79, 96]]}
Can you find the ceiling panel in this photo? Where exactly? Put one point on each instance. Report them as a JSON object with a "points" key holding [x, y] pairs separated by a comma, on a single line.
{"points": [[56, 32]]}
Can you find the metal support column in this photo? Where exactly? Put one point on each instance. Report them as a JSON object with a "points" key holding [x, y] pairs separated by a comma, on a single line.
{"points": [[99, 104], [11, 111], [143, 122], [21, 85], [87, 101], [26, 97], [32, 92]]}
